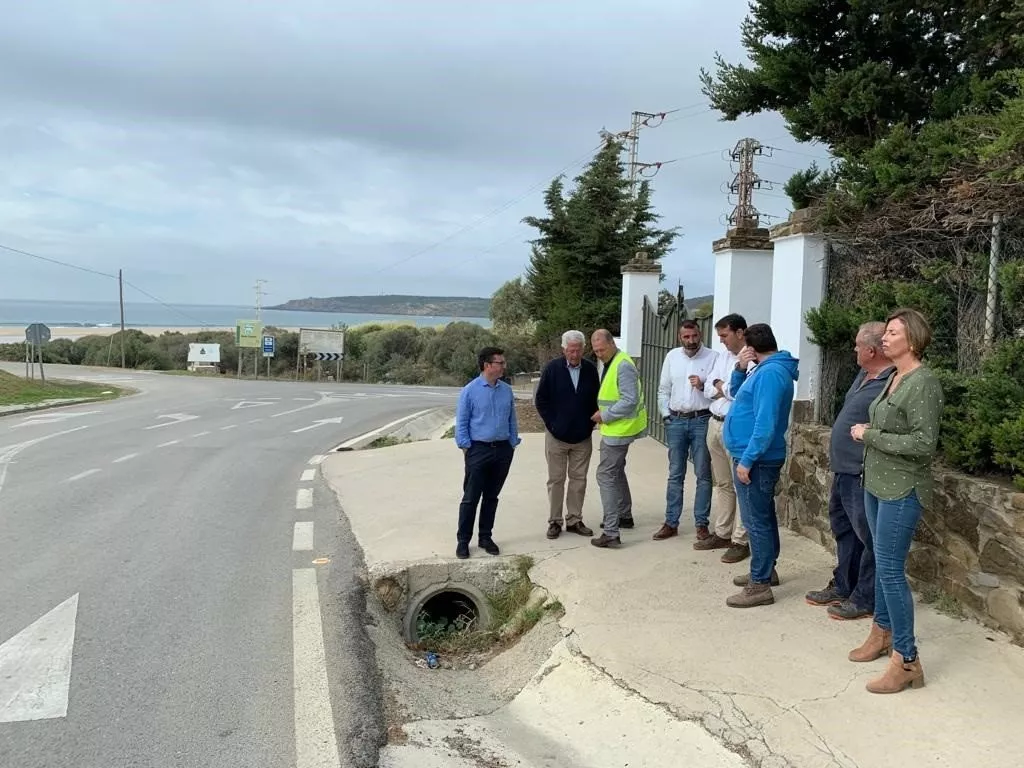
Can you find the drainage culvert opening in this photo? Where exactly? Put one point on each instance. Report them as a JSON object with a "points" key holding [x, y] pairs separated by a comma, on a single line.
{"points": [[445, 616]]}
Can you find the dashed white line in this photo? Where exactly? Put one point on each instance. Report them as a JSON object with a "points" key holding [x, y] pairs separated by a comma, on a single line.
{"points": [[82, 475], [255, 421], [126, 457], [302, 538], [307, 475], [316, 746], [304, 498], [201, 434], [229, 426], [168, 443]]}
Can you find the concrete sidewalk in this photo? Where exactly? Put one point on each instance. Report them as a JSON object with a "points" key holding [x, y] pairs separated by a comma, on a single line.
{"points": [[767, 686]]}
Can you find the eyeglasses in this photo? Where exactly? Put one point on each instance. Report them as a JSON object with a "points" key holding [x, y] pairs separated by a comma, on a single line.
{"points": [[496, 362]]}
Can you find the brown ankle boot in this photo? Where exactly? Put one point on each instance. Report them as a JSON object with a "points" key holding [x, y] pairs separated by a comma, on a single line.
{"points": [[898, 675], [878, 644]]}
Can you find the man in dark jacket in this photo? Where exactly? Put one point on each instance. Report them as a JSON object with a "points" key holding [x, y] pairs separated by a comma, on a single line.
{"points": [[566, 398]]}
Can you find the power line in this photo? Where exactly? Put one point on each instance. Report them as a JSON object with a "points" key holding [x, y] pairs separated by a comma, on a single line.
{"points": [[57, 262], [165, 304]]}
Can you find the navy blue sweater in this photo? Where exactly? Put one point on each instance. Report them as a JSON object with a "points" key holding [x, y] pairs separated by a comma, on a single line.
{"points": [[566, 411]]}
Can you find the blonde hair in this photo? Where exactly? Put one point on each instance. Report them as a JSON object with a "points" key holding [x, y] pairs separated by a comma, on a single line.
{"points": [[919, 332]]}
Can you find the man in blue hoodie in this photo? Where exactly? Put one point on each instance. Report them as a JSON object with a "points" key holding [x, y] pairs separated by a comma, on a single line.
{"points": [[755, 436]]}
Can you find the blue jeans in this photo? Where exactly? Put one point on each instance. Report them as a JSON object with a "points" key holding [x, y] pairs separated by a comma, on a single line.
{"points": [[757, 509], [854, 573], [685, 438], [892, 525]]}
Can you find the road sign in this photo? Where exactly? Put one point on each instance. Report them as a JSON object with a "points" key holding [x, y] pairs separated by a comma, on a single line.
{"points": [[204, 353], [37, 334], [313, 340], [328, 355], [269, 346], [247, 334]]}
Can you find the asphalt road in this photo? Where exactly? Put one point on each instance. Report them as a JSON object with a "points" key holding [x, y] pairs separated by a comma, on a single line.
{"points": [[159, 606]]}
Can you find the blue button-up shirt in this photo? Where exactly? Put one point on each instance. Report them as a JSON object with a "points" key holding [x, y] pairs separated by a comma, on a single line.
{"points": [[487, 413]]}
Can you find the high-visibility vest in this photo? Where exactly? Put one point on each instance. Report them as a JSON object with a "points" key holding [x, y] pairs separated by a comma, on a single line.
{"points": [[609, 394]]}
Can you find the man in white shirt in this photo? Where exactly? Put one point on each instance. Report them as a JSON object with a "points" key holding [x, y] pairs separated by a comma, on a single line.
{"points": [[685, 410], [726, 526]]}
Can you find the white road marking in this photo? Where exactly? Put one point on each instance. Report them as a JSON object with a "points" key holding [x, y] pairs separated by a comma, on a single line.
{"points": [[316, 745], [168, 443], [302, 538], [304, 498], [126, 457], [8, 453], [177, 418], [307, 475], [378, 430], [303, 399], [82, 475], [35, 667], [201, 434], [319, 423], [317, 460], [229, 426], [255, 421], [250, 404], [50, 417], [321, 401]]}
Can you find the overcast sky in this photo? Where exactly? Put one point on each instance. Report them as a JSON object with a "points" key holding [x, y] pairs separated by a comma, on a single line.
{"points": [[201, 145]]}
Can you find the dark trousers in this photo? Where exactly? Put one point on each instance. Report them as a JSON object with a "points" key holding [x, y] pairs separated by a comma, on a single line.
{"points": [[487, 466], [854, 573], [757, 508]]}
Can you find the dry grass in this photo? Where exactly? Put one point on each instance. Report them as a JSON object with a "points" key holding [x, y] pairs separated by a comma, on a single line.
{"points": [[15, 390]]}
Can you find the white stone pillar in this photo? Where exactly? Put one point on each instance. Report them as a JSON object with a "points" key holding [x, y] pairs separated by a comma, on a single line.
{"points": [[743, 275], [641, 278], [797, 286]]}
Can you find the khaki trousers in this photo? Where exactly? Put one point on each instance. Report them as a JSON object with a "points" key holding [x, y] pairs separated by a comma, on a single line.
{"points": [[725, 519], [570, 460]]}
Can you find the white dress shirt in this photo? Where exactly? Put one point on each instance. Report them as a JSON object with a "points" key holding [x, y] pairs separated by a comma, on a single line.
{"points": [[724, 367], [675, 393]]}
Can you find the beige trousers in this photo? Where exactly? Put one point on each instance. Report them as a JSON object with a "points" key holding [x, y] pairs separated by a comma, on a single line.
{"points": [[725, 518], [570, 460]]}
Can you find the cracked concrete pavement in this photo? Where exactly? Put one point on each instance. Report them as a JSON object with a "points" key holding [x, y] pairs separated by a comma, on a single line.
{"points": [[653, 668]]}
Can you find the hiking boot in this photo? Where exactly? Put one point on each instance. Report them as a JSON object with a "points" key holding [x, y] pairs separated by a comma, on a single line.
{"points": [[752, 596], [554, 530], [736, 553], [712, 542], [877, 645], [665, 532], [579, 528], [604, 542], [626, 522], [898, 675], [488, 546], [702, 532], [744, 578], [462, 551], [848, 610], [826, 596]]}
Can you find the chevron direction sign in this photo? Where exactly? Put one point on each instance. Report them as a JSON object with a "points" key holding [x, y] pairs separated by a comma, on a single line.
{"points": [[328, 355]]}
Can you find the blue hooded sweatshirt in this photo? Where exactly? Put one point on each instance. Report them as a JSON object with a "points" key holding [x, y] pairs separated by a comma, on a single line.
{"points": [[755, 427]]}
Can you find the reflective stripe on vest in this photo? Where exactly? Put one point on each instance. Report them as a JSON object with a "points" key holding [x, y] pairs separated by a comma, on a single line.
{"points": [[608, 395]]}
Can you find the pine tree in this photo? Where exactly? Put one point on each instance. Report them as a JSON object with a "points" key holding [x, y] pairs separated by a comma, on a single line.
{"points": [[574, 276]]}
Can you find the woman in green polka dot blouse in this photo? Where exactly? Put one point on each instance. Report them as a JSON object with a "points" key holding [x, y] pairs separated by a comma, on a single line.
{"points": [[899, 445]]}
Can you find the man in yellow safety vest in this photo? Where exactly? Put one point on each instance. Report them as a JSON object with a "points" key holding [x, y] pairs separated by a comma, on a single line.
{"points": [[623, 418]]}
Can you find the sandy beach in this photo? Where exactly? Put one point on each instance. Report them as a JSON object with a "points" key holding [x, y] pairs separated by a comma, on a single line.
{"points": [[12, 334]]}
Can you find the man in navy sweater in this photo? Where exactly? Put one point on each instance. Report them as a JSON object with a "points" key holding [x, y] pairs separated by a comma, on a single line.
{"points": [[566, 398]]}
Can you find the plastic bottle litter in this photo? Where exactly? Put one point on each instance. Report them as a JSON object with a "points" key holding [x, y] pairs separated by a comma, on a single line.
{"points": [[432, 661]]}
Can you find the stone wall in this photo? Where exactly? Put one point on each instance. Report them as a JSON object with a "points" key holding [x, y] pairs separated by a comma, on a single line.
{"points": [[969, 545]]}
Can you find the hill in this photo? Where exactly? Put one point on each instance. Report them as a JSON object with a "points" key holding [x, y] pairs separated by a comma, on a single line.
{"points": [[393, 304]]}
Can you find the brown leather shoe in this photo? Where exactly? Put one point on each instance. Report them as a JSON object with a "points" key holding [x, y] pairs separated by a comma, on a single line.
{"points": [[604, 541], [752, 596], [877, 645], [737, 553], [554, 530], [712, 542], [665, 532], [703, 532], [898, 675], [744, 578]]}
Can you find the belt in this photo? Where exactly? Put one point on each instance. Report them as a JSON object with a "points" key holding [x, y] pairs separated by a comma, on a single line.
{"points": [[716, 417], [690, 414], [490, 443]]}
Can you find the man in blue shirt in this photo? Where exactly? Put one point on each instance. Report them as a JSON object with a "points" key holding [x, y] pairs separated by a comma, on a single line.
{"points": [[487, 432]]}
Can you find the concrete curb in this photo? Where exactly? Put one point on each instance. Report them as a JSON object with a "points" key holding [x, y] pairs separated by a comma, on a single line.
{"points": [[425, 425], [6, 410]]}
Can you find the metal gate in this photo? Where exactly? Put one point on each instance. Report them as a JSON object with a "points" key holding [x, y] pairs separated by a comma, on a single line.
{"points": [[660, 335]]}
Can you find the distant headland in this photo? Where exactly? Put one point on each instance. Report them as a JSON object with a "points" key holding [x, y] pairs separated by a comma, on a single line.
{"points": [[393, 304]]}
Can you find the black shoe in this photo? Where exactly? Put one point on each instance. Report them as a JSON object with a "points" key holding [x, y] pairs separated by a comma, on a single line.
{"points": [[580, 529], [605, 541], [625, 522], [488, 546], [554, 530], [826, 596], [847, 611], [462, 551]]}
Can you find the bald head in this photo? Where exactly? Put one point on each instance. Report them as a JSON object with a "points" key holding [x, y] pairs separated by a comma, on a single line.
{"points": [[869, 348], [603, 344]]}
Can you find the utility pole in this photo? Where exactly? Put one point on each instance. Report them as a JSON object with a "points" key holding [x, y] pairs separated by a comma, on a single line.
{"points": [[991, 302], [260, 293], [120, 290], [745, 215], [631, 139]]}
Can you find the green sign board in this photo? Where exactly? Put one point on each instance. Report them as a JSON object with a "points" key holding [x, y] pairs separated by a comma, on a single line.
{"points": [[248, 334]]}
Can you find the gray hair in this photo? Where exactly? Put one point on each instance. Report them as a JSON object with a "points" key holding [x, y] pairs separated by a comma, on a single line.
{"points": [[872, 333], [571, 336]]}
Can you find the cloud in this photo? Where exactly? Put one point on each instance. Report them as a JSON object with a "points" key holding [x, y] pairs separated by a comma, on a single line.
{"points": [[200, 146]]}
